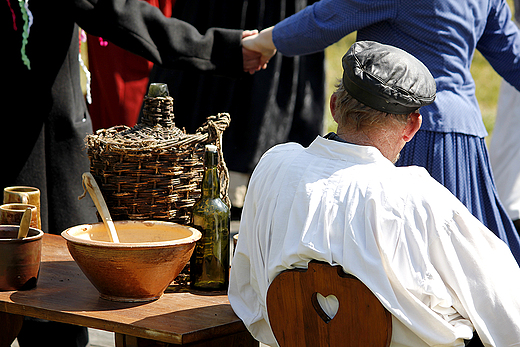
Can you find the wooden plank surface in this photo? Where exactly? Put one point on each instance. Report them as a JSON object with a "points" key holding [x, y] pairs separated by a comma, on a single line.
{"points": [[64, 294]]}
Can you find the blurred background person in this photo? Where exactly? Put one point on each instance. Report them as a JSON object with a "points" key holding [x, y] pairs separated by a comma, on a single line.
{"points": [[283, 103], [119, 79]]}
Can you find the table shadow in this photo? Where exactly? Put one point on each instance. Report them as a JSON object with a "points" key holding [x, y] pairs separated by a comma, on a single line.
{"points": [[62, 286]]}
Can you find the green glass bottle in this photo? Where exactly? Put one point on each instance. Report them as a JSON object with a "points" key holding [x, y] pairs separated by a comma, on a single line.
{"points": [[209, 264]]}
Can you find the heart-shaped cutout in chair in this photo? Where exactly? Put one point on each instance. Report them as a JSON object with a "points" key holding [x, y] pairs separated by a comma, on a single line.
{"points": [[293, 307], [325, 307]]}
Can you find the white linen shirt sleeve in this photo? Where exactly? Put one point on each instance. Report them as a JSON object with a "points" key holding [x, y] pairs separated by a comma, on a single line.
{"points": [[483, 275], [249, 283], [475, 267]]}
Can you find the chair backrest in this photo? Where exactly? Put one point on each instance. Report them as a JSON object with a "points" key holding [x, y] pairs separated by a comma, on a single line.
{"points": [[297, 317]]}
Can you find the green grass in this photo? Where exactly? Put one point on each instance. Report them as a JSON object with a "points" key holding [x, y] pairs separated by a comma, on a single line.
{"points": [[487, 81], [333, 71]]}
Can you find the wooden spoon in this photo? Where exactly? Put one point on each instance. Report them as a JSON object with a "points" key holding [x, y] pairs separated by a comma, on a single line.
{"points": [[23, 230], [89, 182]]}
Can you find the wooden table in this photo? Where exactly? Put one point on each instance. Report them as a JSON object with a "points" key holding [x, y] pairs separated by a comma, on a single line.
{"points": [[64, 294]]}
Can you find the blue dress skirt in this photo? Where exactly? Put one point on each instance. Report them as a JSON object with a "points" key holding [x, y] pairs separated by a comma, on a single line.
{"points": [[460, 162]]}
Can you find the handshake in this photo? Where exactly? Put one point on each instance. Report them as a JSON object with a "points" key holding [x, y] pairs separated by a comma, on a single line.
{"points": [[257, 49]]}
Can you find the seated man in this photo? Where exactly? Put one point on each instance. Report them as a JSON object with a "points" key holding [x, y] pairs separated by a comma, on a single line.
{"points": [[433, 265]]}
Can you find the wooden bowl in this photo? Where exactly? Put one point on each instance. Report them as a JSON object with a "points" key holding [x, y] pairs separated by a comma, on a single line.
{"points": [[140, 267], [19, 258]]}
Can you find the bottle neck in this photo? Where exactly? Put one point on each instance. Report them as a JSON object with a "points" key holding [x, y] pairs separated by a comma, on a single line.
{"points": [[210, 181]]}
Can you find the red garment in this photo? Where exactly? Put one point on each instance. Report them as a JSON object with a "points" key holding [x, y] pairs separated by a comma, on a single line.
{"points": [[118, 79]]}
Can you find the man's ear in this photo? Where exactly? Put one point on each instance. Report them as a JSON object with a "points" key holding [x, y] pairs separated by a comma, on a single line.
{"points": [[332, 105], [413, 125]]}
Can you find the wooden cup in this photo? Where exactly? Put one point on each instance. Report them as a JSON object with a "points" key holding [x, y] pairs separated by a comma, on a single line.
{"points": [[24, 195], [19, 258], [11, 214]]}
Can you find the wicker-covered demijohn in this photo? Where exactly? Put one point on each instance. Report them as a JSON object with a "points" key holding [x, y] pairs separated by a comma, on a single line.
{"points": [[153, 170]]}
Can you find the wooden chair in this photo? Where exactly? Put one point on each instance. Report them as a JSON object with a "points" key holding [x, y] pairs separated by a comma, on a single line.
{"points": [[297, 318]]}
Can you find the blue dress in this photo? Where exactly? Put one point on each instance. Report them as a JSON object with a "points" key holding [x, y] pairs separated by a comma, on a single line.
{"points": [[443, 34]]}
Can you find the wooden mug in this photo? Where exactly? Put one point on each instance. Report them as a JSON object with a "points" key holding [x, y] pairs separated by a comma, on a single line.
{"points": [[11, 214], [24, 195]]}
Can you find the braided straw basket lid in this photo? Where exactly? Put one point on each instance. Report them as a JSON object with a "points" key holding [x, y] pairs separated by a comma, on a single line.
{"points": [[153, 171]]}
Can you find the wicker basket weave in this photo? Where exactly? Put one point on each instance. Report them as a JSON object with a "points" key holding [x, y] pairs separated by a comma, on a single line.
{"points": [[153, 171]]}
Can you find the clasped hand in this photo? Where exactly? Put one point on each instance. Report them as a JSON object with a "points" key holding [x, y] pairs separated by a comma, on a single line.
{"points": [[257, 49]]}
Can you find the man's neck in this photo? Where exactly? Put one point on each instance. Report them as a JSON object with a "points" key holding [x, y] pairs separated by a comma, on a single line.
{"points": [[356, 138], [386, 141]]}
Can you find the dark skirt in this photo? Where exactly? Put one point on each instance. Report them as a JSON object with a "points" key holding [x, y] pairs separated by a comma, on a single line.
{"points": [[460, 162]]}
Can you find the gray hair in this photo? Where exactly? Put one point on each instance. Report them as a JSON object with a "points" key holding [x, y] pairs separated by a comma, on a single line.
{"points": [[357, 116]]}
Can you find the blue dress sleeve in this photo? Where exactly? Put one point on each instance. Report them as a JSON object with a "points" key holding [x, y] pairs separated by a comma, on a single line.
{"points": [[327, 21], [500, 43]]}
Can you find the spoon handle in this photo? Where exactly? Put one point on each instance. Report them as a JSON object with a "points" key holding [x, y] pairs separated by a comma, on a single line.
{"points": [[95, 193], [23, 230]]}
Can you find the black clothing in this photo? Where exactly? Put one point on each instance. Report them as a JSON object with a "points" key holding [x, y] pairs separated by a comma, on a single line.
{"points": [[282, 103]]}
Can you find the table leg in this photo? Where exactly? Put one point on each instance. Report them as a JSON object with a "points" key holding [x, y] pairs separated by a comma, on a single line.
{"points": [[242, 339], [10, 326]]}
